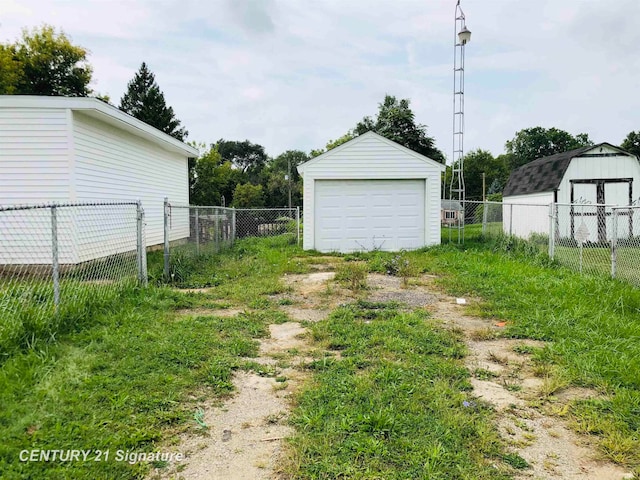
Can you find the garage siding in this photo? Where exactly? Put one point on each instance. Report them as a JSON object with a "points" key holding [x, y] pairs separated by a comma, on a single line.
{"points": [[370, 157], [114, 165]]}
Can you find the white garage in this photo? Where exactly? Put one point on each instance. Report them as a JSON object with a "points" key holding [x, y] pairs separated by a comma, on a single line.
{"points": [[371, 193]]}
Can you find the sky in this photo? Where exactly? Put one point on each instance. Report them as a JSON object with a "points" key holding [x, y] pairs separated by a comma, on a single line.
{"points": [[294, 74]]}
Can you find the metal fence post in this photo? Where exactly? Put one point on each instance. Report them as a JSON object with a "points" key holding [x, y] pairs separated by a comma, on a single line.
{"points": [[298, 225], [216, 226], [552, 231], [233, 226], [510, 219], [142, 248], [166, 239], [197, 229], [55, 268], [485, 206], [614, 242]]}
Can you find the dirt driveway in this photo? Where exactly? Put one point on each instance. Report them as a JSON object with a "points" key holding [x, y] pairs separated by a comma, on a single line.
{"points": [[245, 435]]}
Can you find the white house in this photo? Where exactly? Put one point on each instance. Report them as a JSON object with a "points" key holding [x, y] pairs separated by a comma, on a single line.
{"points": [[76, 150], [588, 176], [370, 193]]}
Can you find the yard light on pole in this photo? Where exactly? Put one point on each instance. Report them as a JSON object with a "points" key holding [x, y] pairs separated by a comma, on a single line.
{"points": [[462, 36]]}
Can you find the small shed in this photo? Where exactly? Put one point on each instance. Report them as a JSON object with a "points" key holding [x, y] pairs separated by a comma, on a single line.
{"points": [[78, 150], [601, 174], [371, 193]]}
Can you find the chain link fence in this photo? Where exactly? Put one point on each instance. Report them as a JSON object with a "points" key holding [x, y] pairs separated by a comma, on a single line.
{"points": [[58, 261], [192, 231], [590, 238], [598, 239], [268, 222], [625, 249]]}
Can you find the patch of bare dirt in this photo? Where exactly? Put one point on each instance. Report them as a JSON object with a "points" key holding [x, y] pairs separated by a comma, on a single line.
{"points": [[244, 436], [217, 312], [386, 288], [194, 290], [313, 296], [243, 439], [284, 337], [505, 377], [309, 314]]}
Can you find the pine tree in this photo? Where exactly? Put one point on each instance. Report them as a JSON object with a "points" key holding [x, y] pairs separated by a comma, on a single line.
{"points": [[145, 101]]}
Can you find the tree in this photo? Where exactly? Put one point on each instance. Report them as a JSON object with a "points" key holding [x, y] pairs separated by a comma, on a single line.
{"points": [[249, 157], [632, 143], [478, 162], [247, 195], [10, 71], [276, 187], [145, 101], [44, 62], [532, 143], [396, 121], [331, 144], [213, 179]]}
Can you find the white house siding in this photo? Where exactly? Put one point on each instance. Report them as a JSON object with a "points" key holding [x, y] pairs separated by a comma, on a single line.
{"points": [[523, 215], [112, 164], [372, 157], [34, 168]]}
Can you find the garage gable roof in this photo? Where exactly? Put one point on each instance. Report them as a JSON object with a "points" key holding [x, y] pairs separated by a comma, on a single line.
{"points": [[360, 138], [546, 173], [104, 112]]}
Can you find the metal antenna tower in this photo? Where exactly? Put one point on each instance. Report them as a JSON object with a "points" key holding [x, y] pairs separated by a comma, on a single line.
{"points": [[457, 190]]}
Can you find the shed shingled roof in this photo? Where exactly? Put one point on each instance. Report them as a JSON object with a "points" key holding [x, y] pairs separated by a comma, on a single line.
{"points": [[543, 174]]}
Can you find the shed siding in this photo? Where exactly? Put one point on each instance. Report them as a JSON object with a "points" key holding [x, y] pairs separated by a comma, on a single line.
{"points": [[620, 166], [372, 158], [111, 164], [523, 215], [34, 159]]}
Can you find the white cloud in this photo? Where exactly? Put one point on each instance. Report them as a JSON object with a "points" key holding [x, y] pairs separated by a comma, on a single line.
{"points": [[290, 74]]}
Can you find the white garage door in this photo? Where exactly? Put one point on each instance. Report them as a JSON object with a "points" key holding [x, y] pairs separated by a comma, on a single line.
{"points": [[352, 215]]}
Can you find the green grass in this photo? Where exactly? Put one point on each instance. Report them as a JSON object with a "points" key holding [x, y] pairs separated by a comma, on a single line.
{"points": [[393, 406], [598, 261], [119, 372], [124, 375], [591, 322], [29, 319]]}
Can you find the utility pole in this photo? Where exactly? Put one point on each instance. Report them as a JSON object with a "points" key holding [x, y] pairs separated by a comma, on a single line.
{"points": [[484, 177], [288, 178]]}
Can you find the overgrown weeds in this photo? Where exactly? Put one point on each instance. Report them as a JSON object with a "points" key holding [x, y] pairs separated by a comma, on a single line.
{"points": [[353, 275], [130, 373], [394, 406]]}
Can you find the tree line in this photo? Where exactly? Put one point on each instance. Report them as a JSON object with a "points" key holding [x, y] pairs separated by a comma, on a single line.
{"points": [[44, 61]]}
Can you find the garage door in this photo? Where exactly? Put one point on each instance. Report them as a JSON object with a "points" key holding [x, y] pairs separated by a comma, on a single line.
{"points": [[352, 215]]}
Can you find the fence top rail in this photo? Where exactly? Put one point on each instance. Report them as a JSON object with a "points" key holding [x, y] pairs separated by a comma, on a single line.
{"points": [[626, 207], [9, 208], [269, 209], [184, 205], [480, 202], [607, 205]]}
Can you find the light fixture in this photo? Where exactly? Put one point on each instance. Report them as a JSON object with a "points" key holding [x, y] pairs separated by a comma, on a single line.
{"points": [[464, 35]]}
